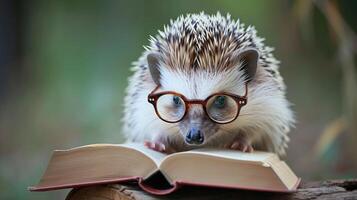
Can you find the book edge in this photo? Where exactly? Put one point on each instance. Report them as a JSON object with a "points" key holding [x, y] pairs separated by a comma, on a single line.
{"points": [[273, 166], [81, 184], [294, 189]]}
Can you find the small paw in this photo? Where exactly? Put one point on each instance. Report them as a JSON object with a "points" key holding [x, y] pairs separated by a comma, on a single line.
{"points": [[160, 147], [240, 146], [157, 146]]}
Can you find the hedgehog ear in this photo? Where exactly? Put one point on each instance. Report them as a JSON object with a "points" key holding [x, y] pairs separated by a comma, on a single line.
{"points": [[153, 60], [249, 59]]}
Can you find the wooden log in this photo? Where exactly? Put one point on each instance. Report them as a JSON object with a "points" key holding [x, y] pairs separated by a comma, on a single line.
{"points": [[331, 190]]}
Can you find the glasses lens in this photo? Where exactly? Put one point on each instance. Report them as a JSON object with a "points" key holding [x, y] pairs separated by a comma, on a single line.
{"points": [[170, 107], [222, 108]]}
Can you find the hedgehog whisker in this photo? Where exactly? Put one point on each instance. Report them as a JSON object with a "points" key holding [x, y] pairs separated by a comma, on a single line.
{"points": [[226, 131], [171, 127]]}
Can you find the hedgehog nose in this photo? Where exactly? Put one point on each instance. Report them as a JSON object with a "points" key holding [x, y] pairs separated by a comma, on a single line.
{"points": [[194, 136]]}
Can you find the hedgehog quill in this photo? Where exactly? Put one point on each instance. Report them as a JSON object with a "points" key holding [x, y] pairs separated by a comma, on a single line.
{"points": [[207, 81]]}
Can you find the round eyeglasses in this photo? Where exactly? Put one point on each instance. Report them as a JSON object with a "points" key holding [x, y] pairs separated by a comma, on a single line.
{"points": [[220, 107]]}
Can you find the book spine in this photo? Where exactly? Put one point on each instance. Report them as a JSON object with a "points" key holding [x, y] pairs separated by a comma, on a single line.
{"points": [[156, 191]]}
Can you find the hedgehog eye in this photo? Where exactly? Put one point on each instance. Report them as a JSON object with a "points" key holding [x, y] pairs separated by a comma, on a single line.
{"points": [[220, 102], [222, 108], [176, 100]]}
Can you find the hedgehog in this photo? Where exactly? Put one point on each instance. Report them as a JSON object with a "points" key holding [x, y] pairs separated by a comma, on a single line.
{"points": [[207, 81]]}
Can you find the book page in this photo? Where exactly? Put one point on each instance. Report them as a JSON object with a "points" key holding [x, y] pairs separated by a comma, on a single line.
{"points": [[256, 156], [156, 156]]}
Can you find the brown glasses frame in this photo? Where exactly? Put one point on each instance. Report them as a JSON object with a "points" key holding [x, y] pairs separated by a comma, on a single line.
{"points": [[240, 101]]}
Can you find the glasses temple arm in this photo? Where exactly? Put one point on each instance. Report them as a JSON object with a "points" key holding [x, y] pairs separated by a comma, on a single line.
{"points": [[156, 88], [246, 90]]}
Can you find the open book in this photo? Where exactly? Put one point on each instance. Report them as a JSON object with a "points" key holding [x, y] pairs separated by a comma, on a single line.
{"points": [[160, 173]]}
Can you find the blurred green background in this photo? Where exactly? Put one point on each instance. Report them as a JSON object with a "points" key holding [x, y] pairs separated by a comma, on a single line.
{"points": [[64, 68]]}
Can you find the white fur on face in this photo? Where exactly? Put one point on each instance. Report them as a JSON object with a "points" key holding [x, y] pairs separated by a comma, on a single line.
{"points": [[201, 84]]}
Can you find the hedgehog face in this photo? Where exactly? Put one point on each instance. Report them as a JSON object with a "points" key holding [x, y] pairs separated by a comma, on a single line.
{"points": [[197, 58], [196, 127]]}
